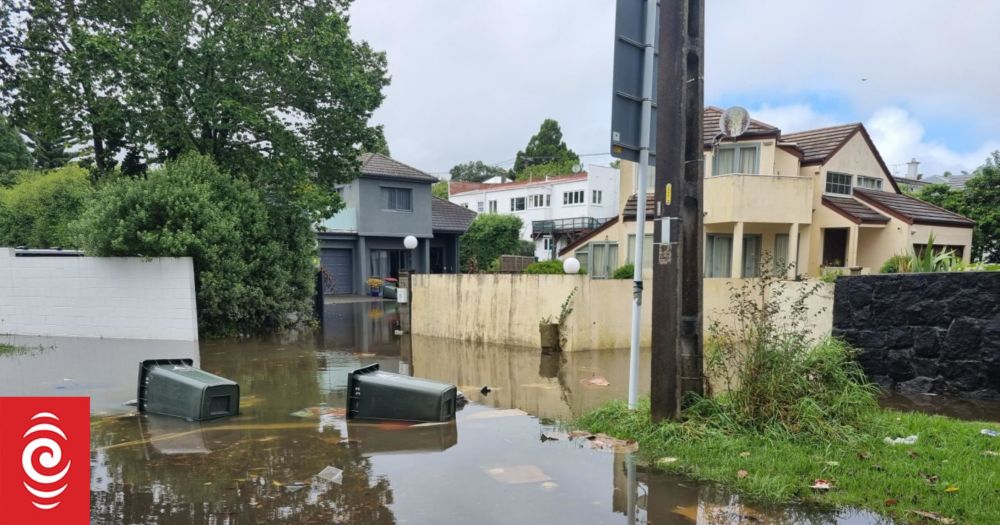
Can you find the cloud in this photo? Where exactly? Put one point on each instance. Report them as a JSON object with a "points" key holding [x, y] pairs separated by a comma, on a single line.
{"points": [[899, 136], [794, 117]]}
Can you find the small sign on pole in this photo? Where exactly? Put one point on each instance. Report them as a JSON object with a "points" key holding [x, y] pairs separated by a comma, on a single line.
{"points": [[626, 104]]}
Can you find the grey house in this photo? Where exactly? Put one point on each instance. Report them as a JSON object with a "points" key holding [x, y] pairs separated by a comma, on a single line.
{"points": [[389, 201]]}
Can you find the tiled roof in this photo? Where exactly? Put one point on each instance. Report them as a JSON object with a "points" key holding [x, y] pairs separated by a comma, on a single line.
{"points": [[911, 210], [955, 182], [455, 188], [448, 217], [379, 165], [854, 210], [818, 145], [710, 126], [631, 209]]}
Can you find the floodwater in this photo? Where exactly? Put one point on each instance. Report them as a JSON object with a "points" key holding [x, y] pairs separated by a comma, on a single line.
{"points": [[491, 465]]}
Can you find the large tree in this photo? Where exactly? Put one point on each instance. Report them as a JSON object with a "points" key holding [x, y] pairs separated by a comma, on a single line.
{"points": [[546, 148], [979, 201], [14, 154], [476, 171]]}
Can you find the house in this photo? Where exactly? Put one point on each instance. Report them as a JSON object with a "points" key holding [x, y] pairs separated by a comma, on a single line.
{"points": [[817, 200], [388, 202], [556, 211]]}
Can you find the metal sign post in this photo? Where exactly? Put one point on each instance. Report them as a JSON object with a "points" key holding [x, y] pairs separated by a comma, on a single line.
{"points": [[625, 52]]}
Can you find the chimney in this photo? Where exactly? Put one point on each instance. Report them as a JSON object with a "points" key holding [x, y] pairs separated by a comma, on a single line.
{"points": [[911, 169]]}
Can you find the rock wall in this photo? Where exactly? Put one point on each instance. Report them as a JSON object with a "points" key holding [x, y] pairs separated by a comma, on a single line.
{"points": [[924, 333]]}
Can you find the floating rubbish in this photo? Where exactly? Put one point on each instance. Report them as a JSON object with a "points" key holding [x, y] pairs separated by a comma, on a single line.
{"points": [[518, 474], [173, 387], [373, 394], [549, 485], [821, 485], [331, 474], [491, 414], [485, 390], [989, 432], [596, 381], [554, 436], [319, 412], [908, 440], [579, 434], [606, 442], [460, 400]]}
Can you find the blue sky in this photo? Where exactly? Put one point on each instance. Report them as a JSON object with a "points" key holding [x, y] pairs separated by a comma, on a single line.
{"points": [[472, 80]]}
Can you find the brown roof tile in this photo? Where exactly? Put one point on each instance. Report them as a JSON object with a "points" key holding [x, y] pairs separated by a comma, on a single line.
{"points": [[854, 210], [630, 210], [818, 145], [448, 217], [379, 165], [710, 126], [911, 210]]}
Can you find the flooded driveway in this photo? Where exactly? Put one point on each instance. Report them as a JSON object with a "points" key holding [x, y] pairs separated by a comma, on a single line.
{"points": [[291, 457]]}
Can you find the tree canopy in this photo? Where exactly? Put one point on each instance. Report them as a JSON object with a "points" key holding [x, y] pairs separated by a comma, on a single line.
{"points": [[489, 236], [979, 201], [476, 171], [14, 154], [546, 148]]}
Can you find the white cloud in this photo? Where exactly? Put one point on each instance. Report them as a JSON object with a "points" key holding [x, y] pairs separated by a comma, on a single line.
{"points": [[899, 136], [795, 117]]}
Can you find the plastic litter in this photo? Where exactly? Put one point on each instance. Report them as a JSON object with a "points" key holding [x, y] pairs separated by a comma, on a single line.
{"points": [[989, 432], [908, 440], [331, 475]]}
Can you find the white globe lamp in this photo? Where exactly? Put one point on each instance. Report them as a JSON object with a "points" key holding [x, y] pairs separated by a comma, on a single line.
{"points": [[410, 242], [571, 265]]}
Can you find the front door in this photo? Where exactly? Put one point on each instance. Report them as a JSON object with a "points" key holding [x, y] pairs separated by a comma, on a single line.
{"points": [[437, 259], [835, 247]]}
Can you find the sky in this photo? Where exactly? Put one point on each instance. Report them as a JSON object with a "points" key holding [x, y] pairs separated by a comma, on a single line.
{"points": [[473, 79]]}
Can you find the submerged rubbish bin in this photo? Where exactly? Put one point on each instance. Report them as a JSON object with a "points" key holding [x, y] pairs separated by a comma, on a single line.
{"points": [[372, 394], [173, 387]]}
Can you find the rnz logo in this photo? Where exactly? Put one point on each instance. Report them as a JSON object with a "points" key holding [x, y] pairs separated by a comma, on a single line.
{"points": [[47, 451]]}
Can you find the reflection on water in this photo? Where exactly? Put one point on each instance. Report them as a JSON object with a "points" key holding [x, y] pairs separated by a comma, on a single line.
{"points": [[488, 466]]}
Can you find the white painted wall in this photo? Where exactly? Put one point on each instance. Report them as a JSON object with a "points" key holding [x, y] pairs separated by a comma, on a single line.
{"points": [[599, 178], [110, 297]]}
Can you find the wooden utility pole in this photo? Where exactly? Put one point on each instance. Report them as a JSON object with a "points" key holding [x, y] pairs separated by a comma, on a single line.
{"points": [[677, 362]]}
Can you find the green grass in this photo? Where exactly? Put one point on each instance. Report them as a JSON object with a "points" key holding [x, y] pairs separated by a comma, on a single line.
{"points": [[865, 471], [9, 350]]}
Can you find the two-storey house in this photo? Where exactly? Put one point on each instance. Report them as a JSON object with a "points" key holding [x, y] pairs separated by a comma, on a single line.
{"points": [[555, 211], [388, 202], [819, 200]]}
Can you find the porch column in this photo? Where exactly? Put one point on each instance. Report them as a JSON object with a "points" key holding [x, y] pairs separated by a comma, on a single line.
{"points": [[793, 251], [737, 263], [425, 255], [455, 256], [362, 273], [852, 246]]}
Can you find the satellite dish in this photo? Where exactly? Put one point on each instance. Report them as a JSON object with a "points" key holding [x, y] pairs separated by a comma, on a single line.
{"points": [[577, 168], [734, 121]]}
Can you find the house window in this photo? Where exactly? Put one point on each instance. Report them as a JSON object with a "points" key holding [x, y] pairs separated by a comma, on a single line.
{"points": [[537, 201], [718, 255], [547, 243], [479, 206], [839, 183], [869, 182], [548, 201], [572, 197], [647, 251], [751, 255], [780, 253], [397, 199], [584, 257], [493, 206], [597, 196], [517, 204], [738, 158], [603, 259]]}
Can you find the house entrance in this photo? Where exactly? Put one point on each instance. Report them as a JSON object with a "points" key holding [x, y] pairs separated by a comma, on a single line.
{"points": [[387, 263], [835, 247]]}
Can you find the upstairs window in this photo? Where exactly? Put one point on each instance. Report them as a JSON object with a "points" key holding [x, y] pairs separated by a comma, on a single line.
{"points": [[479, 206], [397, 199], [517, 204], [737, 158], [838, 183], [596, 196], [573, 197], [538, 201], [871, 183], [493, 206]]}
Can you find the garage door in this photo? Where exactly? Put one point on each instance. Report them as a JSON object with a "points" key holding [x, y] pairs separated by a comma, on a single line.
{"points": [[339, 266]]}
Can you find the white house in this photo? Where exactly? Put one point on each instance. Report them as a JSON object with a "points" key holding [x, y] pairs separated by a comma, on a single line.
{"points": [[556, 211]]}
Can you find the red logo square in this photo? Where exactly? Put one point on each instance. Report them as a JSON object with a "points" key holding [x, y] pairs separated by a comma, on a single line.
{"points": [[44, 460]]}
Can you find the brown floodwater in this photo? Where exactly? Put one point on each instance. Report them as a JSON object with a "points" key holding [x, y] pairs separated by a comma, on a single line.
{"points": [[492, 465]]}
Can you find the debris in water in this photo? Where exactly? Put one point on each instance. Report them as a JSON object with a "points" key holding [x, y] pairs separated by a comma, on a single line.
{"points": [[319, 412], [596, 381], [518, 474], [580, 434], [606, 442], [491, 414], [989, 432], [130, 403], [331, 474], [485, 390], [821, 485], [909, 440], [550, 485], [460, 399], [934, 516], [554, 436]]}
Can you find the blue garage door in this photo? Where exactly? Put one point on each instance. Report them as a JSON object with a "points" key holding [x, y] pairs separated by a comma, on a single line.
{"points": [[339, 266]]}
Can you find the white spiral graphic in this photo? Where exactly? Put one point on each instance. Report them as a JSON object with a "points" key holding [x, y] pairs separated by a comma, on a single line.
{"points": [[49, 459]]}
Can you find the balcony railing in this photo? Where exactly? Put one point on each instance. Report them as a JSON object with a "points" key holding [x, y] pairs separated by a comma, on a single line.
{"points": [[758, 198], [572, 225]]}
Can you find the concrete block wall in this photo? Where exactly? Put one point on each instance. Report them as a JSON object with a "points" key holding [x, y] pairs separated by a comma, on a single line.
{"points": [[110, 297]]}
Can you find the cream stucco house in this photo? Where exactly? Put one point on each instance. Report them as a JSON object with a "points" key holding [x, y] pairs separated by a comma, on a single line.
{"points": [[819, 200]]}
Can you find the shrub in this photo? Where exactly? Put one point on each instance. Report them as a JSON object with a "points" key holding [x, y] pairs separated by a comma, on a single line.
{"points": [[625, 271], [489, 237], [38, 209], [930, 259], [551, 266], [247, 279], [893, 264], [526, 248]]}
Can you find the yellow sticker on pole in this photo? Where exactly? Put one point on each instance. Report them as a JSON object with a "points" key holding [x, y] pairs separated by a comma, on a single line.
{"points": [[669, 194]]}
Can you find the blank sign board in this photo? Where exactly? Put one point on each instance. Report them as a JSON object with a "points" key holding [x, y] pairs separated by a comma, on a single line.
{"points": [[626, 106]]}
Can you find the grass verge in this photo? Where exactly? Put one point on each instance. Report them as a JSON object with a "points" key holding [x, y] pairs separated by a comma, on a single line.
{"points": [[952, 470]]}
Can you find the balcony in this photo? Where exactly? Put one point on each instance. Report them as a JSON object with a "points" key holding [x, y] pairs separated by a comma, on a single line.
{"points": [[573, 227], [758, 198], [345, 221]]}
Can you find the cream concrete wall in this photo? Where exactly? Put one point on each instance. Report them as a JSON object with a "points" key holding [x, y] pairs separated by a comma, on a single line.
{"points": [[505, 309], [758, 198], [877, 245], [818, 304], [785, 164], [943, 236]]}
